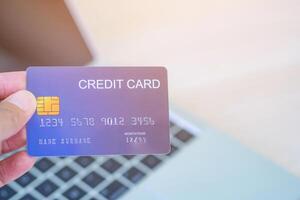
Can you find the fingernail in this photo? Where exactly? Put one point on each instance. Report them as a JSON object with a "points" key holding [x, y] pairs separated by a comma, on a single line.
{"points": [[24, 99]]}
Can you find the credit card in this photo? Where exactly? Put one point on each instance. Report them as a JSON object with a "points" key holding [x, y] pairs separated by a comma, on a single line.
{"points": [[98, 111]]}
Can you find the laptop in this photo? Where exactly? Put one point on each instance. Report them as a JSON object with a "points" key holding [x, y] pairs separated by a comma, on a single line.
{"points": [[203, 163]]}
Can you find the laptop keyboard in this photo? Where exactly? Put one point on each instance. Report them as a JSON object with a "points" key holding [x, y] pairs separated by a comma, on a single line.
{"points": [[90, 178]]}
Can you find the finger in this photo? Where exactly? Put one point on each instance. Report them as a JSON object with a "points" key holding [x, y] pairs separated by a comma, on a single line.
{"points": [[15, 166], [15, 111], [10, 82], [14, 142]]}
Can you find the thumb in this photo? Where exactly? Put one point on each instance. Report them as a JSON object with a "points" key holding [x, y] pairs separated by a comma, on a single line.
{"points": [[15, 111]]}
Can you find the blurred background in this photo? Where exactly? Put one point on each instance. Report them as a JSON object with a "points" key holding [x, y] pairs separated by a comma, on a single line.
{"points": [[233, 64]]}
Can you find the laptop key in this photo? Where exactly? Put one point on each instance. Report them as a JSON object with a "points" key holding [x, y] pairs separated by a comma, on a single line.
{"points": [[28, 197], [173, 150], [128, 157], [74, 193], [84, 161], [66, 174], [6, 192], [134, 175], [114, 190], [25, 179], [151, 161], [93, 179], [44, 164], [46, 188], [184, 136], [111, 165]]}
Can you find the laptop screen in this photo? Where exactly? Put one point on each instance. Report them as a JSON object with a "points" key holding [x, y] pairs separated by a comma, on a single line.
{"points": [[39, 33]]}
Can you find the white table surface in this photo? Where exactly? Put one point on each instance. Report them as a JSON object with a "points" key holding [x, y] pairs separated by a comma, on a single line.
{"points": [[234, 64]]}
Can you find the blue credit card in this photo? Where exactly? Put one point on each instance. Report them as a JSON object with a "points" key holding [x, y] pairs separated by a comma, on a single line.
{"points": [[98, 111]]}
